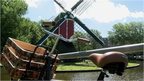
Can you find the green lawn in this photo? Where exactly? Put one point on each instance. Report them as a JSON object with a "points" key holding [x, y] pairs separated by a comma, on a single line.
{"points": [[88, 65], [132, 64]]}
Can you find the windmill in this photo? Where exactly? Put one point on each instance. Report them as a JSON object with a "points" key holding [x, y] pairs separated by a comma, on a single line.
{"points": [[68, 15]]}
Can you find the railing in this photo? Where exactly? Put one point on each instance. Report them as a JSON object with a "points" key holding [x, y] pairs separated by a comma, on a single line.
{"points": [[84, 54]]}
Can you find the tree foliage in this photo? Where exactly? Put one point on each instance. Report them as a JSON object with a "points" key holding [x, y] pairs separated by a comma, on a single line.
{"points": [[29, 31], [79, 46], [15, 25], [11, 13], [128, 33], [93, 44]]}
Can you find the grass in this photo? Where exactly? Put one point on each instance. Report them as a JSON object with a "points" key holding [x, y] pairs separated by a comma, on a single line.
{"points": [[132, 64], [86, 65]]}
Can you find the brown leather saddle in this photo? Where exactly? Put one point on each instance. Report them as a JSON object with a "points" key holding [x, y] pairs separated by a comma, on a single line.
{"points": [[114, 62]]}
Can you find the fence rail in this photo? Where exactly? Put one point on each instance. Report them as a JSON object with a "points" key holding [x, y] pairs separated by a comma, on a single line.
{"points": [[84, 54]]}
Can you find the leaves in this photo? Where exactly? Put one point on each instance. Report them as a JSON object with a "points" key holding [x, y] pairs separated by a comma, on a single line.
{"points": [[86, 46], [128, 33], [15, 25], [11, 13]]}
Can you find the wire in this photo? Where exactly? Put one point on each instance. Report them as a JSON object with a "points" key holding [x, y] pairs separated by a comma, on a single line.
{"points": [[86, 7], [86, 4], [80, 7]]}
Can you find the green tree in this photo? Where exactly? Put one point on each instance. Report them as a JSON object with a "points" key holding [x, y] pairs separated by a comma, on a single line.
{"points": [[80, 46], [28, 31], [128, 33], [15, 25], [86, 46], [11, 13], [94, 43]]}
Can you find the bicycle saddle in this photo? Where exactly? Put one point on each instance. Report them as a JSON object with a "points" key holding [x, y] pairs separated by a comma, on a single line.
{"points": [[114, 62]]}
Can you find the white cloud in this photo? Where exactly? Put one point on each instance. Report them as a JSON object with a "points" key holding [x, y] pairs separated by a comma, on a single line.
{"points": [[137, 14], [104, 11], [33, 3]]}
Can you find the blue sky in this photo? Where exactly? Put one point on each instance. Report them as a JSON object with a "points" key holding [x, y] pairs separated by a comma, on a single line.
{"points": [[101, 15]]}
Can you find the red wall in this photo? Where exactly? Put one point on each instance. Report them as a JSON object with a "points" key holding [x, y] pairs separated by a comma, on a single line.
{"points": [[66, 29]]}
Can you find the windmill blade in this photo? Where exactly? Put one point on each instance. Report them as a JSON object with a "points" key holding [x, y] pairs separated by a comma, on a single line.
{"points": [[44, 38], [60, 5], [86, 7], [88, 31], [80, 7], [76, 5]]}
